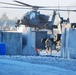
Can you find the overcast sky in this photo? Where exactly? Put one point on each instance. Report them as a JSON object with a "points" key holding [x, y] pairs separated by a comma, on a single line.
{"points": [[19, 13]]}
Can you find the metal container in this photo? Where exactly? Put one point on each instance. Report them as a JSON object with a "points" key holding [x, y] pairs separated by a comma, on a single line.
{"points": [[2, 49]]}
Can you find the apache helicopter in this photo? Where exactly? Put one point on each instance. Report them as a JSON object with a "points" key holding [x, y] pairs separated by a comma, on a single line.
{"points": [[34, 18], [37, 20]]}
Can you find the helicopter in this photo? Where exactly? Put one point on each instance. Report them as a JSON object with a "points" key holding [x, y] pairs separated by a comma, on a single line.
{"points": [[37, 20], [34, 18]]}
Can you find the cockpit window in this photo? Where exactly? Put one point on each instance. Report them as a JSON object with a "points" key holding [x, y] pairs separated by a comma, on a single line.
{"points": [[32, 15]]}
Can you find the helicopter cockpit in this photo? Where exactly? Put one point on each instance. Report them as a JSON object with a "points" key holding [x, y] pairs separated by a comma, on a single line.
{"points": [[32, 15]]}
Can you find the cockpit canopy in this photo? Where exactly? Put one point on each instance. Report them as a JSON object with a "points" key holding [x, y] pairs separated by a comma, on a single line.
{"points": [[32, 15]]}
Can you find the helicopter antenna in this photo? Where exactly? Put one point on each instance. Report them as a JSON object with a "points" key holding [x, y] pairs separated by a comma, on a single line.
{"points": [[58, 12], [58, 6]]}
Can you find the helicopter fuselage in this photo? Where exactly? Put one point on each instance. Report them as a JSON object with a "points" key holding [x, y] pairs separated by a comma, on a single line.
{"points": [[35, 19]]}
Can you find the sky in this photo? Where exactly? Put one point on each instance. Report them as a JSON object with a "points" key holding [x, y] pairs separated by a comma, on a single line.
{"points": [[12, 13]]}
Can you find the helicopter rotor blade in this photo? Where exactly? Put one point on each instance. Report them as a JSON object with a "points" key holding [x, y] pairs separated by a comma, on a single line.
{"points": [[11, 4], [14, 7], [39, 9], [58, 10], [24, 4], [29, 5]]}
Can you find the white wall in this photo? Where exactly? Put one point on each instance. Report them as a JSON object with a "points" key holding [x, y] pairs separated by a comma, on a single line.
{"points": [[68, 47], [30, 37]]}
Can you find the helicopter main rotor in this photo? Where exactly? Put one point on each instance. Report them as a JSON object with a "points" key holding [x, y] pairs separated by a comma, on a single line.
{"points": [[35, 8]]}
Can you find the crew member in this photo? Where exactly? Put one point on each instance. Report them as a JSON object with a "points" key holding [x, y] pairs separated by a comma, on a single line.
{"points": [[48, 45]]}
